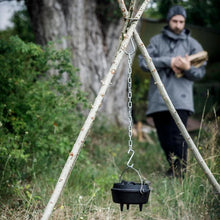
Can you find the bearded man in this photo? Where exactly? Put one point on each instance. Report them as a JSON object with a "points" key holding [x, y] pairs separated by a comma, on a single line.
{"points": [[170, 52]]}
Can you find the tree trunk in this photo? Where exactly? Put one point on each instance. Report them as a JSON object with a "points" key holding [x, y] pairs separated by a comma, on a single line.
{"points": [[75, 24]]}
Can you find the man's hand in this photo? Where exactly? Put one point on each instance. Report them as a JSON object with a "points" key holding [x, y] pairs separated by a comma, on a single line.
{"points": [[181, 63], [174, 67]]}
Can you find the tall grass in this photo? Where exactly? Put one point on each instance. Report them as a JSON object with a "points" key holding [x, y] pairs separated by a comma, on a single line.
{"points": [[87, 194]]}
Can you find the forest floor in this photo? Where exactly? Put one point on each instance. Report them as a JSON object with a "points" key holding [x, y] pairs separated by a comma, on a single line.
{"points": [[87, 194]]}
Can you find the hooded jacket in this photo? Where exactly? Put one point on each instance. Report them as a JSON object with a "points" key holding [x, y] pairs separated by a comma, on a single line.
{"points": [[162, 48]]}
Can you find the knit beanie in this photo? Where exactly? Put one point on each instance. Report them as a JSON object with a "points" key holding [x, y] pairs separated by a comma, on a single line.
{"points": [[176, 10]]}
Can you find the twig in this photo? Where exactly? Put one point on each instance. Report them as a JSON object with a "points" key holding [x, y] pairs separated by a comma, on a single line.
{"points": [[202, 119]]}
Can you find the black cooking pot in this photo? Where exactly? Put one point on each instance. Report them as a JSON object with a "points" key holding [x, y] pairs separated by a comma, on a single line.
{"points": [[130, 193]]}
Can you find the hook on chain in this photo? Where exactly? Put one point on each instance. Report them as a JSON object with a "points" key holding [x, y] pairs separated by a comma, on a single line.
{"points": [[128, 163]]}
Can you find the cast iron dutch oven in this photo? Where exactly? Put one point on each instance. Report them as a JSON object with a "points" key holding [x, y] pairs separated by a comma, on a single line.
{"points": [[130, 193]]}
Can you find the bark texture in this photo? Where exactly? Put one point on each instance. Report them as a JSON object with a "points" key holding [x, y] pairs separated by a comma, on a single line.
{"points": [[76, 24]]}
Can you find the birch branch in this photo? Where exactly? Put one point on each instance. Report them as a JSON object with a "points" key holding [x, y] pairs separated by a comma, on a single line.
{"points": [[73, 155], [127, 17], [170, 106]]}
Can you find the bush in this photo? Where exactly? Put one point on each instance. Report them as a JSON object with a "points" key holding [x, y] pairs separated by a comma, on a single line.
{"points": [[38, 113]]}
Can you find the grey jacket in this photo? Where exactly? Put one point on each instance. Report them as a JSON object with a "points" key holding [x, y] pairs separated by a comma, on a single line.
{"points": [[162, 48]]}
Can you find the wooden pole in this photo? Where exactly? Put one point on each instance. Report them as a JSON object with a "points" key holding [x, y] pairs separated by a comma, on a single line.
{"points": [[170, 106], [73, 155]]}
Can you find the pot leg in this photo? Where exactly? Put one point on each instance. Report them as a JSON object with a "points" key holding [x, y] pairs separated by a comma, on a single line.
{"points": [[127, 206], [121, 206], [140, 207]]}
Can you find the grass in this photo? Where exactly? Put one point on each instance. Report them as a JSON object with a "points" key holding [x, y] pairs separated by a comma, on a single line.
{"points": [[87, 194]]}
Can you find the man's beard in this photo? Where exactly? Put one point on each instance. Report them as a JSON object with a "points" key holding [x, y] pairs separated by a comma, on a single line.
{"points": [[177, 30]]}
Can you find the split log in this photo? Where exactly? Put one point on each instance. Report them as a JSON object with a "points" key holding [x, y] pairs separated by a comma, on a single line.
{"points": [[196, 60]]}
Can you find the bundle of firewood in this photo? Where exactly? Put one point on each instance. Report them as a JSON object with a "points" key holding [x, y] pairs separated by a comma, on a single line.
{"points": [[196, 60]]}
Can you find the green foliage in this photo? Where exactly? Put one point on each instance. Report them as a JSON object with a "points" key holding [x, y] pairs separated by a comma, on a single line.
{"points": [[21, 27], [170, 198], [164, 6], [201, 13], [107, 11], [140, 98], [87, 194], [38, 113]]}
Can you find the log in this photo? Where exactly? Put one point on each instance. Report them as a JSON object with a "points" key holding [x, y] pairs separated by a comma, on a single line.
{"points": [[196, 60], [199, 58]]}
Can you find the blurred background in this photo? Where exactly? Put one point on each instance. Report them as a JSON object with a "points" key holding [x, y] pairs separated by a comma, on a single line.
{"points": [[53, 56], [202, 20]]}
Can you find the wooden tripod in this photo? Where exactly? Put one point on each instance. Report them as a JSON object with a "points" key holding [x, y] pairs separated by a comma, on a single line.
{"points": [[129, 30]]}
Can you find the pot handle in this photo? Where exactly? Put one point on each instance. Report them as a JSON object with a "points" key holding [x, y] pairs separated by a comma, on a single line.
{"points": [[141, 179]]}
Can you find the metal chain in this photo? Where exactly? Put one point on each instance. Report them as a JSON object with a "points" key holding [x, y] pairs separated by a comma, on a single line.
{"points": [[130, 102], [130, 121]]}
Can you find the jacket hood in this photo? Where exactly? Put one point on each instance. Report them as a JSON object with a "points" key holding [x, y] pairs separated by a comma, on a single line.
{"points": [[183, 35]]}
